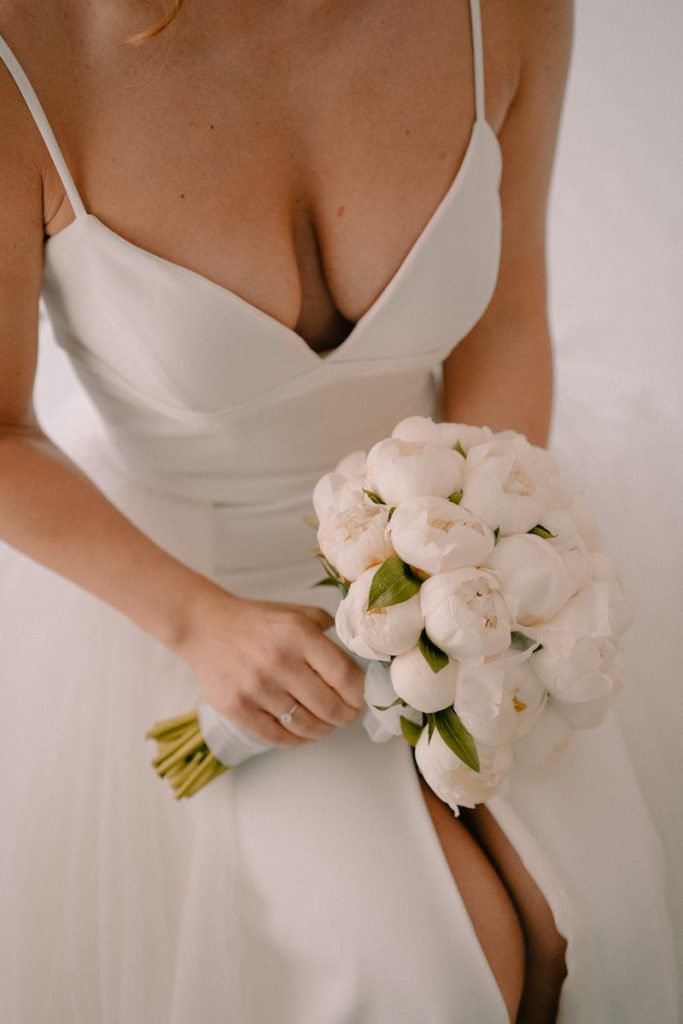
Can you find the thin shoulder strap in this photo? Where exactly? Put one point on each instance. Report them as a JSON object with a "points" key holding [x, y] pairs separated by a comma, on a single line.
{"points": [[478, 56], [33, 103]]}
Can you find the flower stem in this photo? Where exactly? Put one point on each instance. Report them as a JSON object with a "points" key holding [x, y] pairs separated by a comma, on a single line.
{"points": [[171, 723]]}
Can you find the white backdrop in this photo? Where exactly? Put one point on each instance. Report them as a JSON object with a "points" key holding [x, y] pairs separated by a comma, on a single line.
{"points": [[616, 252], [616, 275]]}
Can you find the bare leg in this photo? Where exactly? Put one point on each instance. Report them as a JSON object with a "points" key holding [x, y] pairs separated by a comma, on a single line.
{"points": [[545, 966], [486, 899]]}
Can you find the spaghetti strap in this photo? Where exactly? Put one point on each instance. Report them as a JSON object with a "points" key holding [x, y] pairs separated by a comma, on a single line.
{"points": [[478, 56], [35, 107]]}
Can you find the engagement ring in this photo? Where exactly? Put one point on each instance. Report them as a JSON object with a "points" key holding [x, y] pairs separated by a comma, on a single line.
{"points": [[287, 717]]}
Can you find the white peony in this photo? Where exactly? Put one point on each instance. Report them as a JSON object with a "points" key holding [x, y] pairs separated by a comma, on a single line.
{"points": [[379, 633], [503, 483], [435, 535], [352, 465], [586, 613], [466, 614], [620, 610], [452, 780], [569, 544], [575, 668], [416, 683], [398, 470], [559, 494], [426, 431], [379, 693], [355, 539], [588, 714], [342, 488], [531, 571], [500, 700], [544, 464]]}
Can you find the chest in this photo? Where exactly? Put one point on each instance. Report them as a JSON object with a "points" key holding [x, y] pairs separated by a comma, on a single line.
{"points": [[293, 161]]}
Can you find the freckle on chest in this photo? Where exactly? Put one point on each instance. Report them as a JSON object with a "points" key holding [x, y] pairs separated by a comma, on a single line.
{"points": [[341, 210]]}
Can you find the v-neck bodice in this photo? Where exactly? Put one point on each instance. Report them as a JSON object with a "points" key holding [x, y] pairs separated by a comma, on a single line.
{"points": [[189, 377], [136, 254], [237, 351]]}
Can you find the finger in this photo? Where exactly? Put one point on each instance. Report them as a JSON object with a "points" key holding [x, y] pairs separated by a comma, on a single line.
{"points": [[316, 715], [337, 669], [262, 725], [322, 700], [304, 723], [319, 616]]}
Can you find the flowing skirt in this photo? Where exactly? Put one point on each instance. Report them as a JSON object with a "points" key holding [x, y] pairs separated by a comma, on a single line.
{"points": [[304, 887]]}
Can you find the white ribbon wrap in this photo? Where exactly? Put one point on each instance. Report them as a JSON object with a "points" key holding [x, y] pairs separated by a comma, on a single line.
{"points": [[230, 744]]}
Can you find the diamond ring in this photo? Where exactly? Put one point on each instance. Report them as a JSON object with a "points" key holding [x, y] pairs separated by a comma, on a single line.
{"points": [[288, 715]]}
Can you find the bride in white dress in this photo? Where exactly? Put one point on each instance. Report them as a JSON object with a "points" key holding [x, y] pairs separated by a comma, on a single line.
{"points": [[259, 235]]}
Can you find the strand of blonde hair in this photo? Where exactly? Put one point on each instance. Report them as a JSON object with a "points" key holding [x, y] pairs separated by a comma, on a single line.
{"points": [[157, 27]]}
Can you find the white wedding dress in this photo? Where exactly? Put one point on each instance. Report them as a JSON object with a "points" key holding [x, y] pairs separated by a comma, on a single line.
{"points": [[307, 886]]}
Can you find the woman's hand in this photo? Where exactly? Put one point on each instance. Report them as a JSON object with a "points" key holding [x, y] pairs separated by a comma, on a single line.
{"points": [[255, 659]]}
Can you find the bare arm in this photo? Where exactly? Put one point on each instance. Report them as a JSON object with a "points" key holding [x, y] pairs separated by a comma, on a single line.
{"points": [[49, 509], [501, 373], [53, 513]]}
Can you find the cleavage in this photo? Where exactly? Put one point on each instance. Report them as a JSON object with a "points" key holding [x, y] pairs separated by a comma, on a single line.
{"points": [[320, 322]]}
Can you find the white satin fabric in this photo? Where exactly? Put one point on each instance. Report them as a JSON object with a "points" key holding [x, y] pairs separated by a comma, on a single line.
{"points": [[307, 886]]}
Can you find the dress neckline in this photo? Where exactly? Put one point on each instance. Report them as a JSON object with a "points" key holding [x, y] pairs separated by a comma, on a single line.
{"points": [[289, 334]]}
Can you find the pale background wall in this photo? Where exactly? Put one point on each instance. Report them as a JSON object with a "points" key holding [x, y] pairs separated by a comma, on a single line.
{"points": [[616, 237], [616, 256]]}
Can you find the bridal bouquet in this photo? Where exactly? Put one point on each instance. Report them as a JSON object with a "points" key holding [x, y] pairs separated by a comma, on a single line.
{"points": [[475, 594]]}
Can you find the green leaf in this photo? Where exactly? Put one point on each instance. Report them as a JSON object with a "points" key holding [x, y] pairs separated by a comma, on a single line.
{"points": [[496, 534], [433, 655], [410, 730], [326, 564], [456, 497], [333, 578], [455, 735], [393, 583], [459, 448], [536, 649], [373, 496], [329, 582], [520, 641], [391, 512], [399, 700], [431, 725], [541, 531]]}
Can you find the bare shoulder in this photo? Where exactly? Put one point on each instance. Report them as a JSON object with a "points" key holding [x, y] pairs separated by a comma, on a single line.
{"points": [[22, 157], [546, 32], [25, 164], [23, 171], [529, 132], [547, 16]]}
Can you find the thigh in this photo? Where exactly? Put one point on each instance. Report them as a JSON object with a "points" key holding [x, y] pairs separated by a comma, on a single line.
{"points": [[492, 911], [545, 967]]}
